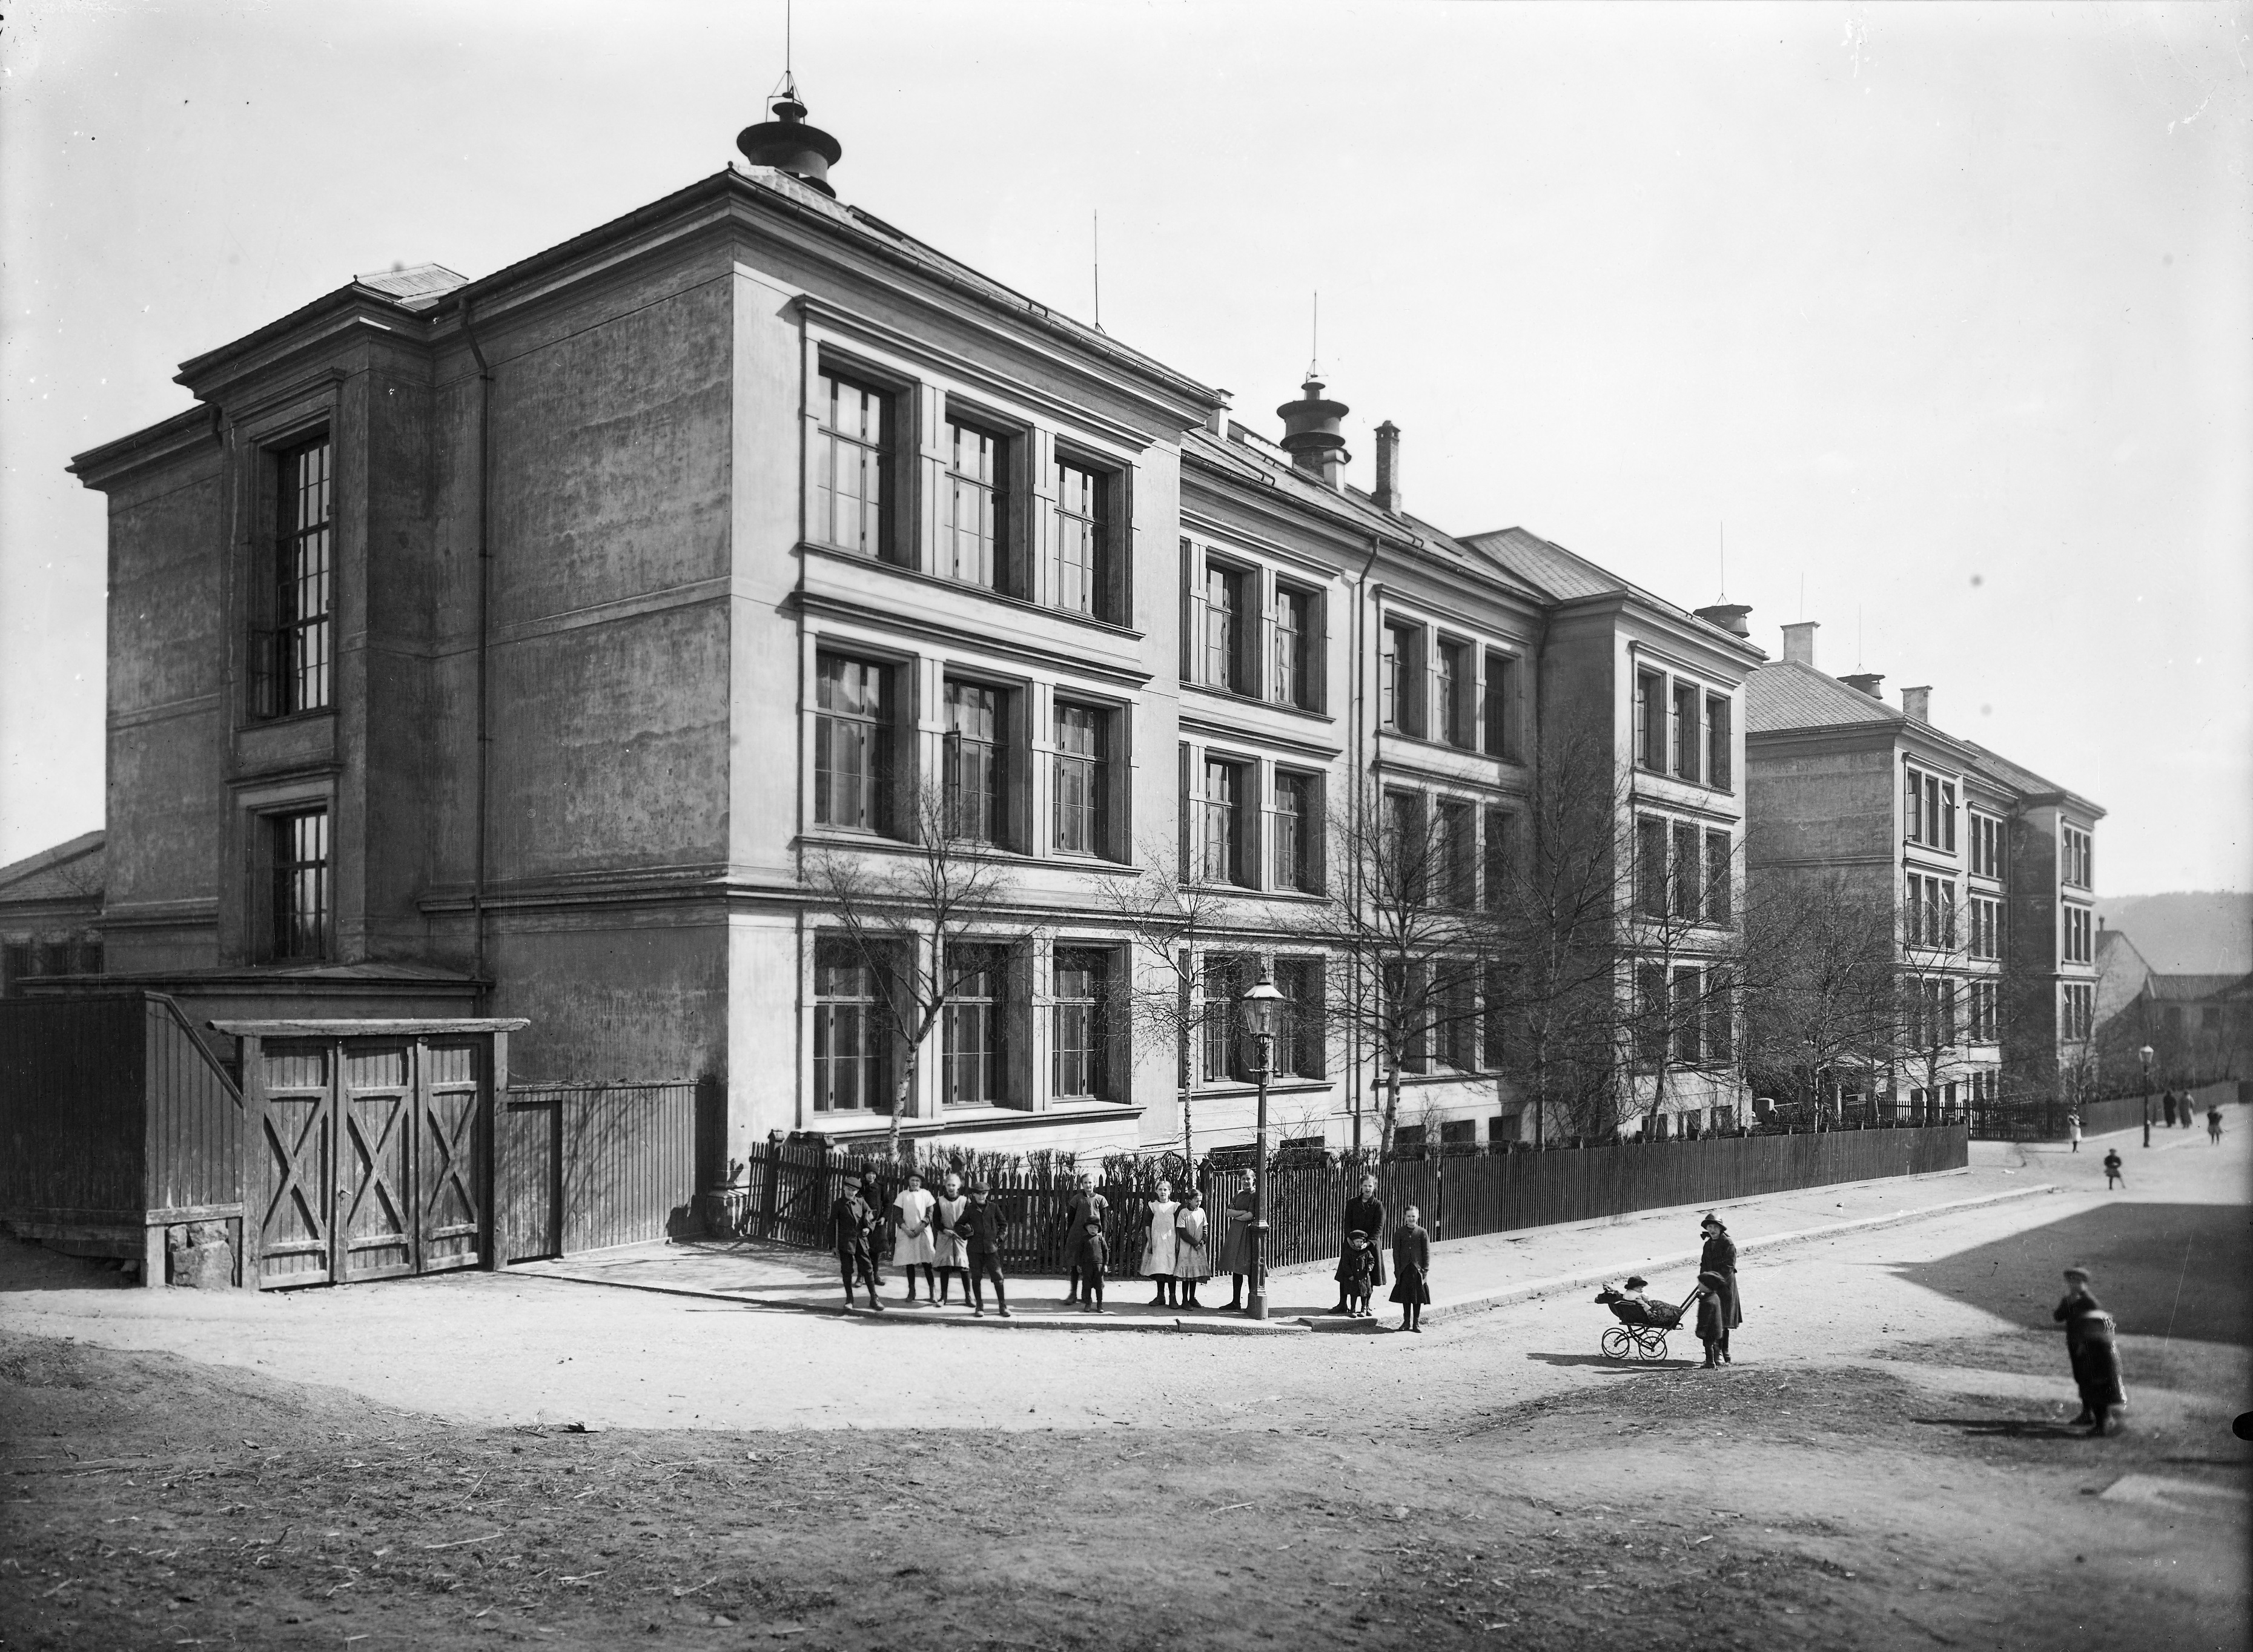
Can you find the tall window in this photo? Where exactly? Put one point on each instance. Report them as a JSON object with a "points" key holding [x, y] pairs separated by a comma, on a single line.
{"points": [[1719, 1019], [974, 533], [852, 449], [1299, 1037], [2079, 1016], [301, 864], [1929, 809], [1501, 858], [1717, 868], [977, 763], [975, 1069], [1650, 720], [1987, 834], [1719, 741], [1082, 779], [1082, 536], [1986, 928], [1454, 1015], [1298, 649], [1400, 679], [1225, 786], [1932, 912], [1684, 1023], [1226, 977], [852, 743], [848, 1042], [1983, 998], [1227, 629], [1687, 879], [2076, 869], [1298, 821], [1457, 855], [1650, 868], [1404, 858], [1501, 710], [1080, 1067], [1494, 1018], [1688, 732], [2079, 935], [1650, 1046], [294, 670], [1456, 684]]}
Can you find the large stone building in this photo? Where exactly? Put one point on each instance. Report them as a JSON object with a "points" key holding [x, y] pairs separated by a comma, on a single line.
{"points": [[1986, 868], [521, 644]]}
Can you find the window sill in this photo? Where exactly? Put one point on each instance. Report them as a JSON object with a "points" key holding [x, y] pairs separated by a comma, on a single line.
{"points": [[283, 719], [1237, 697], [858, 1125], [846, 837], [1122, 630], [1238, 1089]]}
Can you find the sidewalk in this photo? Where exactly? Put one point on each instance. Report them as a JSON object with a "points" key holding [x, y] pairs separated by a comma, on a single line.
{"points": [[1467, 1275]]}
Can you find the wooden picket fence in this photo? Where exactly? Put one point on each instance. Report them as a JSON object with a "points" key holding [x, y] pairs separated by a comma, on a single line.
{"points": [[785, 1190]]}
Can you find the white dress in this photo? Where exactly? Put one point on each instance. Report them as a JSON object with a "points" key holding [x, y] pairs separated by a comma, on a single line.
{"points": [[1158, 1255], [911, 1243]]}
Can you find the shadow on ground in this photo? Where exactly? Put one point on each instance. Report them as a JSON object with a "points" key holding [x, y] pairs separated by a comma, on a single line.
{"points": [[2164, 1270]]}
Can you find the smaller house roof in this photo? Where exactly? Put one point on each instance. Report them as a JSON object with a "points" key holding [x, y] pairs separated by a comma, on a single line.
{"points": [[2190, 989], [1567, 576], [69, 871], [417, 286], [1786, 694]]}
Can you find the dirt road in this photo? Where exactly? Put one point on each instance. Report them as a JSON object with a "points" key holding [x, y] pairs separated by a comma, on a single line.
{"points": [[1882, 1468]]}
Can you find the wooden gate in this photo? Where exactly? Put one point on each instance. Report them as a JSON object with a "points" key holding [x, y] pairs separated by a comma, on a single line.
{"points": [[372, 1146]]}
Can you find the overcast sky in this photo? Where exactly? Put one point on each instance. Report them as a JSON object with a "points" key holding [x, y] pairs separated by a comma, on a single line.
{"points": [[1942, 310]]}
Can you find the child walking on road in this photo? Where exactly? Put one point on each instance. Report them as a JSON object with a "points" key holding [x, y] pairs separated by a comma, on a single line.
{"points": [[2213, 1124], [2113, 1176], [1412, 1264], [1712, 1322]]}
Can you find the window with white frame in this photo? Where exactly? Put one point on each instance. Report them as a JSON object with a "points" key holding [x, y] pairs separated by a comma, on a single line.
{"points": [[1985, 832], [2075, 858], [852, 743], [1931, 912], [1224, 978], [1929, 809], [850, 1046], [1689, 731], [1080, 1059], [1721, 747], [1297, 832], [978, 807], [1986, 926], [2077, 1012], [975, 1059], [2080, 934], [973, 531], [1084, 579], [1230, 592], [1082, 791], [1226, 816], [1298, 663], [1651, 721], [1983, 999], [852, 454], [1458, 712], [1500, 717]]}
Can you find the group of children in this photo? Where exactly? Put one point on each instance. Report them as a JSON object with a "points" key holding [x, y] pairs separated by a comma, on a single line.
{"points": [[958, 1231]]}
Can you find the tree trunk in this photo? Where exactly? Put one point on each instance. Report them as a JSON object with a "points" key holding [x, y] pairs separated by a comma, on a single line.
{"points": [[901, 1091], [1391, 1108]]}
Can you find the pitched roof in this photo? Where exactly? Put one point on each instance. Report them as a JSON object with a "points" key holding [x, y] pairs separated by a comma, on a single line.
{"points": [[1567, 576], [417, 286], [2184, 989], [2015, 774], [1785, 695], [69, 871]]}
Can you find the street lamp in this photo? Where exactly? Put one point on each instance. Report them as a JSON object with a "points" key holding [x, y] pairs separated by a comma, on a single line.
{"points": [[1263, 1016], [2145, 1055]]}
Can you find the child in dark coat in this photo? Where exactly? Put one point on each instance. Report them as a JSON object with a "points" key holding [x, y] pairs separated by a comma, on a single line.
{"points": [[1712, 1316], [981, 1225], [1412, 1266], [1356, 1273], [1091, 1257]]}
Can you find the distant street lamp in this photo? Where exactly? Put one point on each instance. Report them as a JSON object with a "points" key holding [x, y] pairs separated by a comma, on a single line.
{"points": [[2146, 1053], [1263, 1017]]}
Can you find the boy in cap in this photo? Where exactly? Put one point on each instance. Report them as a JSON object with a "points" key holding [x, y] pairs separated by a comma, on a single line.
{"points": [[853, 1221], [979, 1226], [2094, 1355]]}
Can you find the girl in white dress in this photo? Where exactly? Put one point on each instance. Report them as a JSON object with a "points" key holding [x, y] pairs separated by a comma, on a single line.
{"points": [[911, 1240], [1192, 1247], [1160, 1251]]}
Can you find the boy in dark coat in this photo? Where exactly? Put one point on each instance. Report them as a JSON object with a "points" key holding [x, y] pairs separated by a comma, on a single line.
{"points": [[980, 1226], [853, 1222], [1712, 1316], [1082, 1216], [2092, 1352], [1092, 1255], [1356, 1273], [1412, 1267], [2112, 1176]]}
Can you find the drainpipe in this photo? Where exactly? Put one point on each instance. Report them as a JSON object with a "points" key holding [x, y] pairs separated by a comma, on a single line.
{"points": [[1541, 780], [484, 637], [1360, 778]]}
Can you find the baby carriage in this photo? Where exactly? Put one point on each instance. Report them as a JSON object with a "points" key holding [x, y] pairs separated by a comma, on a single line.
{"points": [[1641, 1333]]}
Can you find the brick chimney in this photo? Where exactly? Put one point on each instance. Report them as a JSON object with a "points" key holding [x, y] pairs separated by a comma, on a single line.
{"points": [[1866, 682], [1799, 641], [1918, 703], [1730, 617], [1387, 497]]}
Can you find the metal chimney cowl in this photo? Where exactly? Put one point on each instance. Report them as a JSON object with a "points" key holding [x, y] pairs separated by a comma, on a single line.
{"points": [[789, 145], [1311, 435]]}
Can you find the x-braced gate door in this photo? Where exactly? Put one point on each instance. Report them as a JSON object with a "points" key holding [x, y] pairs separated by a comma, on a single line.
{"points": [[372, 1159]]}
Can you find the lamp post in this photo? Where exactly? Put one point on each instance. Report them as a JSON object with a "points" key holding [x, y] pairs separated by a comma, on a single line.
{"points": [[1263, 1012], [2145, 1055]]}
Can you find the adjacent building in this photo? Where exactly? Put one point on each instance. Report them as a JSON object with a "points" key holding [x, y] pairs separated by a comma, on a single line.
{"points": [[1986, 870], [516, 646]]}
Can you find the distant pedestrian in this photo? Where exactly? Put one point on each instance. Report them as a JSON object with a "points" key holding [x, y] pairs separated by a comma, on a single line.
{"points": [[852, 1225], [948, 1253], [2168, 1108], [1192, 1246], [980, 1228], [1713, 1317], [1160, 1250], [1412, 1269], [1718, 1255], [912, 1247], [2091, 1349], [1235, 1258], [1364, 1213], [1356, 1273], [2113, 1176], [1083, 1216], [2213, 1124], [2073, 1130]]}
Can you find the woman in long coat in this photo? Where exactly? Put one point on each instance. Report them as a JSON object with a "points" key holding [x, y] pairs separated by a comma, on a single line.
{"points": [[1235, 1258], [1719, 1256]]}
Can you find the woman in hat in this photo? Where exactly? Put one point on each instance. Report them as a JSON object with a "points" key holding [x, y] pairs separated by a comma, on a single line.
{"points": [[2095, 1354], [1719, 1256]]}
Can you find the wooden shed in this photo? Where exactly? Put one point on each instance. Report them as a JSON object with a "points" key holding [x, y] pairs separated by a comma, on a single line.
{"points": [[117, 1126]]}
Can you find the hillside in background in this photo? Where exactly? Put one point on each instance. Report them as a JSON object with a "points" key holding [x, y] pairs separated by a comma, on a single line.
{"points": [[2191, 932]]}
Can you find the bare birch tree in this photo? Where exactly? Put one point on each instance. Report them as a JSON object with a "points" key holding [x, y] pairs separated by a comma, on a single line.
{"points": [[916, 915]]}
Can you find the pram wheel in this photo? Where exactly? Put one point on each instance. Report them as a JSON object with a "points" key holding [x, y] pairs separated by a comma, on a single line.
{"points": [[1651, 1345], [1616, 1343]]}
